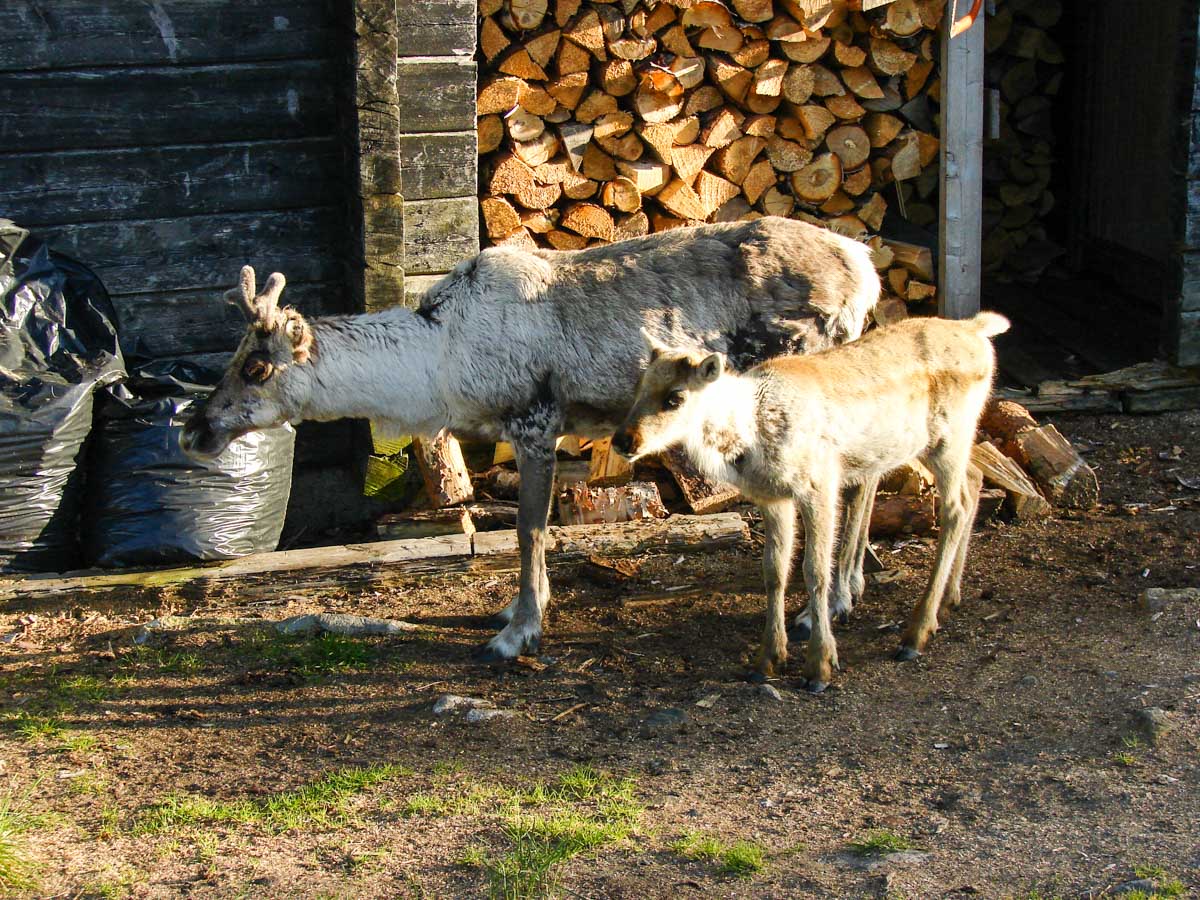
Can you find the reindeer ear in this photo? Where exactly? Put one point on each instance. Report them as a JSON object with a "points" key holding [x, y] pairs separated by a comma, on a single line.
{"points": [[655, 346], [242, 296], [299, 333], [711, 367]]}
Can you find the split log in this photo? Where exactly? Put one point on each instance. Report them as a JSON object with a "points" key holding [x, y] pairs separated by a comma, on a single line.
{"points": [[1062, 474], [998, 470], [583, 504], [896, 514], [443, 470], [700, 495]]}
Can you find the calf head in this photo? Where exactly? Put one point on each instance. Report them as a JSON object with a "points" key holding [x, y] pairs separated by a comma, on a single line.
{"points": [[260, 388], [668, 404]]}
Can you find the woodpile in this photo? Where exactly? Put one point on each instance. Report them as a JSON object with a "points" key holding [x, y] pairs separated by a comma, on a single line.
{"points": [[606, 120], [1024, 76]]}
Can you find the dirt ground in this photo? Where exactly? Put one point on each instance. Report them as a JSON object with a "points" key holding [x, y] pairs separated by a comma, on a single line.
{"points": [[219, 760]]}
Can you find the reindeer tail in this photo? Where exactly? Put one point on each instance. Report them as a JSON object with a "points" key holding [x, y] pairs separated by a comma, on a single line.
{"points": [[990, 324]]}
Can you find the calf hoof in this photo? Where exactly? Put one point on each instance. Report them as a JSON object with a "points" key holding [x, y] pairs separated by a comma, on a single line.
{"points": [[486, 654], [800, 631], [843, 618], [907, 654], [814, 686], [756, 677]]}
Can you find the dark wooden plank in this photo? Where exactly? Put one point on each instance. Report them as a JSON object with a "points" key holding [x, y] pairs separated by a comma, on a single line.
{"points": [[1106, 315], [1030, 313], [439, 234], [88, 109], [436, 94], [435, 166], [101, 185], [436, 28], [1191, 282], [73, 33], [154, 255], [178, 323]]}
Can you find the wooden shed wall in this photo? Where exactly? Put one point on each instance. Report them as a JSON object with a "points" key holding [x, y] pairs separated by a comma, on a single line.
{"points": [[168, 144], [1183, 314]]}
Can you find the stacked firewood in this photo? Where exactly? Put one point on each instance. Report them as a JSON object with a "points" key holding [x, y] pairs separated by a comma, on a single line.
{"points": [[1024, 74], [605, 120]]}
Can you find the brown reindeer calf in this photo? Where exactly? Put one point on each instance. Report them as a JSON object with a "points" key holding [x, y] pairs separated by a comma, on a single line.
{"points": [[803, 429]]}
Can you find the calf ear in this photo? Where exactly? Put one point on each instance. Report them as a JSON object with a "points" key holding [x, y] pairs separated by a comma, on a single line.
{"points": [[300, 334], [711, 367], [653, 345]]}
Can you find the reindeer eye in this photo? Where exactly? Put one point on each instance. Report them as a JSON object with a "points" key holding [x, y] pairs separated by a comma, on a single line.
{"points": [[257, 368], [674, 400]]}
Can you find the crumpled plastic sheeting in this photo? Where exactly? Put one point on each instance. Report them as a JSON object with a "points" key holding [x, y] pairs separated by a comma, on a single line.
{"points": [[58, 344], [149, 503]]}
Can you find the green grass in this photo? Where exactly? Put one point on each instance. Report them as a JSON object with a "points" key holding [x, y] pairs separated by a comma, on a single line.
{"points": [[18, 869], [422, 804], [878, 843], [1165, 885], [312, 656], [325, 803], [78, 742], [1132, 741], [743, 859], [161, 660], [1125, 759]]}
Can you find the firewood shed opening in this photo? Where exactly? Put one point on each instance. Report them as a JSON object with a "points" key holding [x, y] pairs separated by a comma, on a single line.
{"points": [[1090, 185]]}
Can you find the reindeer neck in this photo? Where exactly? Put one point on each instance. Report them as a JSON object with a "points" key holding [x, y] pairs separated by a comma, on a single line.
{"points": [[377, 366], [726, 430]]}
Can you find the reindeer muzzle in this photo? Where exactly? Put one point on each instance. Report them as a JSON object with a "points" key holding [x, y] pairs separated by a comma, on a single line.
{"points": [[625, 443], [198, 439]]}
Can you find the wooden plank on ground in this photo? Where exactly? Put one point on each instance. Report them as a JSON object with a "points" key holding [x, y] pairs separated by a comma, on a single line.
{"points": [[960, 233], [384, 562]]}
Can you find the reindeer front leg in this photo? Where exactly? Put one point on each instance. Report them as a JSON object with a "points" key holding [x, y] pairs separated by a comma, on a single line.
{"points": [[819, 511], [532, 439]]}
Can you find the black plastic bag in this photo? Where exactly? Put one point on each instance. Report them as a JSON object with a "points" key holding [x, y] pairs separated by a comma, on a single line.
{"points": [[149, 503], [58, 343]]}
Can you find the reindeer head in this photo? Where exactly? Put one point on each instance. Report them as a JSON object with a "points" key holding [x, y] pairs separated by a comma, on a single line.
{"points": [[259, 388], [667, 406]]}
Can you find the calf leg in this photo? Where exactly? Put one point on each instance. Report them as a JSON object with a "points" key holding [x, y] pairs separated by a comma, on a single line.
{"points": [[780, 521], [950, 471], [849, 582], [971, 485], [533, 442], [818, 509]]}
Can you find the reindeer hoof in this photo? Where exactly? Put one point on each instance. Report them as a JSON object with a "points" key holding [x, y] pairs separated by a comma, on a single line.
{"points": [[486, 654], [843, 618], [497, 621], [907, 654], [800, 631], [756, 677], [814, 686]]}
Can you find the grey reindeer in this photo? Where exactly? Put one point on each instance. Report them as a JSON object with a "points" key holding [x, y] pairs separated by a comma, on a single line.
{"points": [[526, 346]]}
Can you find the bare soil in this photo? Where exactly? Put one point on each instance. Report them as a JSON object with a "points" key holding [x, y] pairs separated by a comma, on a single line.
{"points": [[1008, 754]]}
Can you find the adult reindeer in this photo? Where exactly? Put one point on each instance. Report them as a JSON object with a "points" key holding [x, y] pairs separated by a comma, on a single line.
{"points": [[526, 346]]}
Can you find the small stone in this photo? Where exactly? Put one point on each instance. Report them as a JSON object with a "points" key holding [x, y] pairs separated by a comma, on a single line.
{"points": [[1153, 722], [660, 766], [475, 716], [1029, 681], [1158, 599], [664, 722], [1191, 678], [448, 703], [769, 692]]}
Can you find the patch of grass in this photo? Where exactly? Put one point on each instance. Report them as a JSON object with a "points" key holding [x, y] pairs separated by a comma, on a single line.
{"points": [[110, 823], [35, 726], [18, 870], [324, 803], [1165, 885], [1131, 741], [743, 859], [878, 843], [89, 783], [81, 689], [78, 742], [162, 660], [421, 804], [312, 656], [1125, 759], [472, 856]]}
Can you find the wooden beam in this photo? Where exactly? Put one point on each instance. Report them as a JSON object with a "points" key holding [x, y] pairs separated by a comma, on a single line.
{"points": [[378, 211], [960, 231], [384, 562]]}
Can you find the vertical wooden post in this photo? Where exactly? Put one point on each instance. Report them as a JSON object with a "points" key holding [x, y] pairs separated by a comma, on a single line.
{"points": [[960, 230], [380, 205]]}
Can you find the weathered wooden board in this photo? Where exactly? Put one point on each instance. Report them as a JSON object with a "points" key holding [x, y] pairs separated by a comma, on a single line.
{"points": [[1190, 301], [437, 28], [162, 182], [388, 561], [415, 287], [41, 35], [439, 234], [960, 261], [146, 256], [91, 108], [436, 166], [175, 323], [436, 94]]}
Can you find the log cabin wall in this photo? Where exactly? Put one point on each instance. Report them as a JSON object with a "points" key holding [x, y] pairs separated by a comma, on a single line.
{"points": [[166, 144], [1183, 306]]}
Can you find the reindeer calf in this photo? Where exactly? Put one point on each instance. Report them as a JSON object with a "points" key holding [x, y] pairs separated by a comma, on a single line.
{"points": [[803, 429]]}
